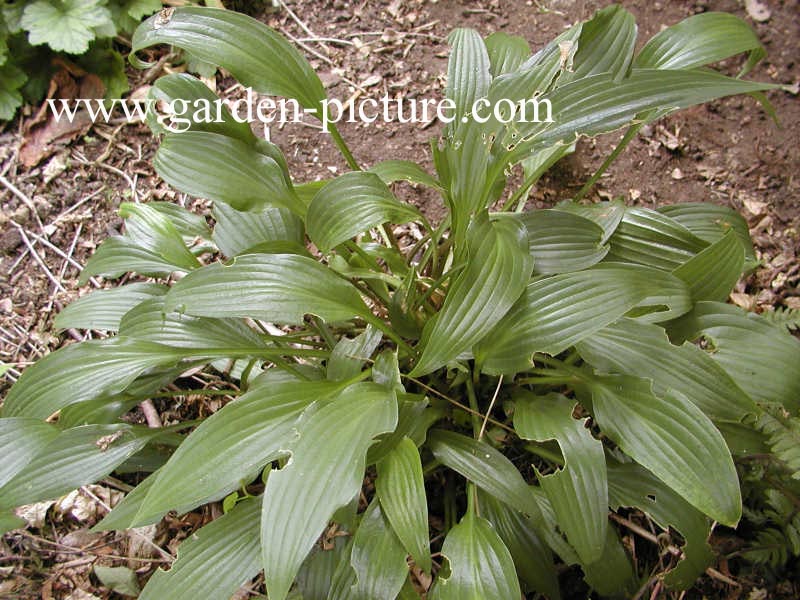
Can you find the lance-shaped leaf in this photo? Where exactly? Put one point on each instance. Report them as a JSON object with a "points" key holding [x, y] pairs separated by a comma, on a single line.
{"points": [[103, 309], [500, 261], [506, 52], [236, 231], [75, 457], [640, 349], [631, 485], [605, 45], [273, 287], [710, 222], [149, 322], [579, 491], [556, 312], [403, 170], [671, 437], [224, 169], [532, 558], [700, 40], [401, 489], [612, 575], [190, 225], [561, 242], [348, 356], [607, 215], [324, 473], [151, 229], [123, 514], [758, 356], [468, 76], [377, 557], [22, 439], [466, 154], [82, 372], [232, 445], [315, 578], [649, 238], [176, 88], [254, 54], [481, 566], [485, 467], [215, 560], [712, 273], [351, 204], [118, 255], [599, 103]]}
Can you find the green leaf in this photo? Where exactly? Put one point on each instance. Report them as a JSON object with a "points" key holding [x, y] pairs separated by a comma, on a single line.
{"points": [[612, 575], [378, 558], [391, 171], [699, 41], [224, 169], [561, 242], [506, 52], [481, 566], [401, 489], [103, 309], [499, 259], [11, 81], [712, 273], [149, 322], [215, 560], [631, 485], [649, 238], [607, 215], [107, 63], [237, 231], [759, 357], [605, 45], [351, 204], [348, 356], [9, 521], [188, 224], [556, 312], [532, 558], [275, 287], [324, 473], [710, 222], [468, 73], [22, 440], [121, 580], [82, 372], [76, 457], [671, 437], [598, 103], [65, 25], [232, 445], [254, 54], [485, 467], [175, 88], [315, 578], [466, 153], [639, 349], [118, 255], [123, 514], [579, 491]]}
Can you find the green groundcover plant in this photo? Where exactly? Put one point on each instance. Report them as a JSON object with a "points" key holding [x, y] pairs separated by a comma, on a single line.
{"points": [[492, 393], [33, 33]]}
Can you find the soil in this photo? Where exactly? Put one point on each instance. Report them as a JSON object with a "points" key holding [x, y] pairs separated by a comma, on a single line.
{"points": [[728, 152]]}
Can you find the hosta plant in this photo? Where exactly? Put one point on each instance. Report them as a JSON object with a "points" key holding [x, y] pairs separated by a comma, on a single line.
{"points": [[455, 414]]}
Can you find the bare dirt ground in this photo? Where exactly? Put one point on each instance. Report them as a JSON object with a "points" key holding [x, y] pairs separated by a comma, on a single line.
{"points": [[54, 214]]}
